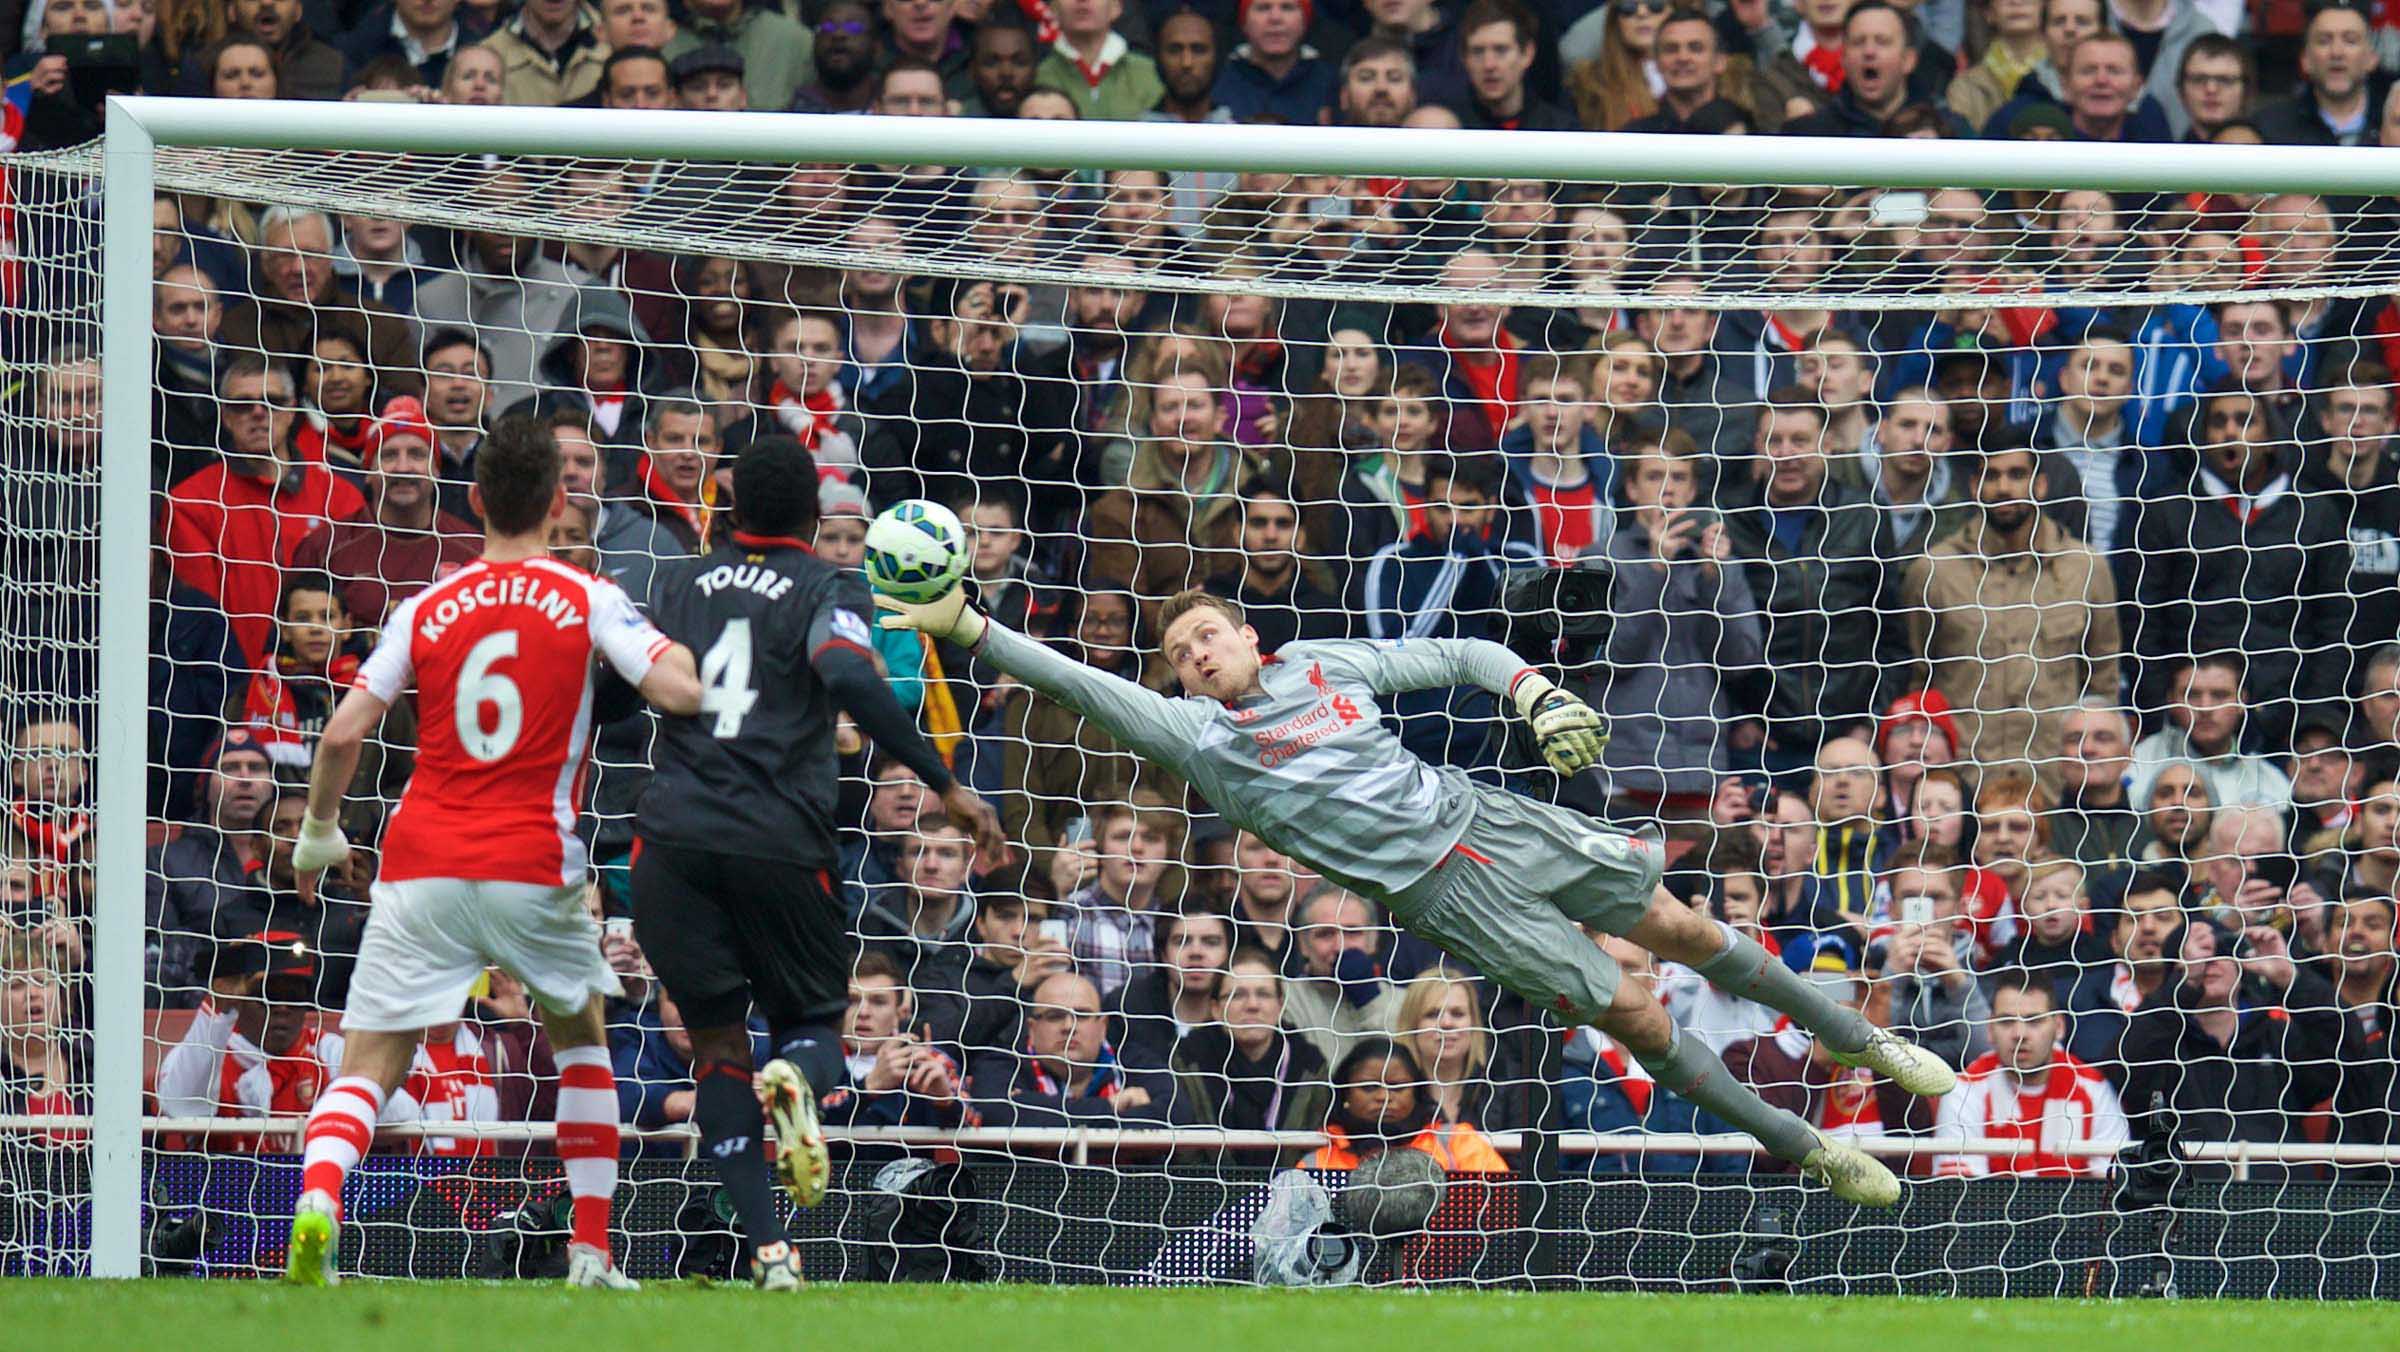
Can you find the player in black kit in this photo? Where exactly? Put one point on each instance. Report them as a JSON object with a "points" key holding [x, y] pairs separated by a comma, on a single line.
{"points": [[734, 899]]}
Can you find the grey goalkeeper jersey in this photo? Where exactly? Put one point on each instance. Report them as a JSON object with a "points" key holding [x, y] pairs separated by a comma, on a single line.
{"points": [[1306, 765]]}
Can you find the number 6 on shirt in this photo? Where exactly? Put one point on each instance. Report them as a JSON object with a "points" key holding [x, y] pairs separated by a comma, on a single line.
{"points": [[479, 685]]}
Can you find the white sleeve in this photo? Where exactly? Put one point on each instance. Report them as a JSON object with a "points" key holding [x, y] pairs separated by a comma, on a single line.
{"points": [[623, 634], [1952, 1121], [188, 1073], [2108, 1126], [389, 670], [399, 1106]]}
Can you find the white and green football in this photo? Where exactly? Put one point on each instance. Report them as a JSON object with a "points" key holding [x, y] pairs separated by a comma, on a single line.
{"points": [[916, 550]]}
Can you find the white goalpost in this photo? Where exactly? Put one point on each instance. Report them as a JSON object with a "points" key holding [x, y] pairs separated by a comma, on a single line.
{"points": [[1798, 252]]}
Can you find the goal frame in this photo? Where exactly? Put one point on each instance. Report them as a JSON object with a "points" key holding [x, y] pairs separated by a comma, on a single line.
{"points": [[138, 126]]}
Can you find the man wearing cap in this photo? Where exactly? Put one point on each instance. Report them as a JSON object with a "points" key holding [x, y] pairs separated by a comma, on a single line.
{"points": [[708, 79], [404, 541], [252, 1050], [775, 58]]}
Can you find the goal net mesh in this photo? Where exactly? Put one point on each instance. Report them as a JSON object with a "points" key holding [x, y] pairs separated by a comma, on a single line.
{"points": [[1991, 595]]}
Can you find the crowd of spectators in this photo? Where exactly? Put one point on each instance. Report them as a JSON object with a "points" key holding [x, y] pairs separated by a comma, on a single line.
{"points": [[2024, 673]]}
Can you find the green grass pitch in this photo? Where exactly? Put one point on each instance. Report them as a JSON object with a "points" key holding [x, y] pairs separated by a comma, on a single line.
{"points": [[191, 1316]]}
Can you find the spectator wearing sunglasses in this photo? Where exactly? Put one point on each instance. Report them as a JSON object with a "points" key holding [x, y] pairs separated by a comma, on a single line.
{"points": [[845, 60]]}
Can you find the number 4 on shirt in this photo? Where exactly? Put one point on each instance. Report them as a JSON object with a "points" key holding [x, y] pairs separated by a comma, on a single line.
{"points": [[725, 680]]}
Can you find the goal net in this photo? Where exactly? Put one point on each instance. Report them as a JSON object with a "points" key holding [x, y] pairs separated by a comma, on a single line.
{"points": [[1992, 591]]}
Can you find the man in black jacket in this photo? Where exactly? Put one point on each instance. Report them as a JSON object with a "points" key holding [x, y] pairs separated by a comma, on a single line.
{"points": [[2240, 1047], [1286, 594], [200, 878], [1177, 993], [2229, 558], [1882, 51], [1066, 1074], [943, 427], [187, 312], [984, 1009], [330, 920], [2366, 1109], [1821, 566], [2347, 431], [2340, 91]]}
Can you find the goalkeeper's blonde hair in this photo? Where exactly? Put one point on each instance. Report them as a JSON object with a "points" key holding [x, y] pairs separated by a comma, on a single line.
{"points": [[1190, 599]]}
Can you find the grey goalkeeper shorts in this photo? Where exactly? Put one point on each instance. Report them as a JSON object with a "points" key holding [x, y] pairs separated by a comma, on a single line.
{"points": [[1511, 896]]}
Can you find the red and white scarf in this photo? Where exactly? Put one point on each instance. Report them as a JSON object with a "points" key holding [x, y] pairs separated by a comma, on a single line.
{"points": [[813, 420]]}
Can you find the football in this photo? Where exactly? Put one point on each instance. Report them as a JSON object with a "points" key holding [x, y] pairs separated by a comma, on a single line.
{"points": [[916, 550]]}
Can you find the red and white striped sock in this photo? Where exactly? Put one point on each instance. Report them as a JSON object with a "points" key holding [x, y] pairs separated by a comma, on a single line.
{"points": [[340, 1128], [587, 1138]]}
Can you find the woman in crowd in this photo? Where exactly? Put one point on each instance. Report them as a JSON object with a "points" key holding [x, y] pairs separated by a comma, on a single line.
{"points": [[45, 1066], [1443, 1024], [1622, 83], [474, 78], [1339, 413], [241, 67], [1379, 1105], [1626, 372], [2369, 845], [1243, 1072], [1914, 736], [1594, 250]]}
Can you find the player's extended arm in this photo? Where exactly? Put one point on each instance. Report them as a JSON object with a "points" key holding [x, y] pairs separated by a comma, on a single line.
{"points": [[849, 674], [1157, 728], [673, 683], [321, 844], [1570, 733]]}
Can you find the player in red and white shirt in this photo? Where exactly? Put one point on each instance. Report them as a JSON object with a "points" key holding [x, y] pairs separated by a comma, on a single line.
{"points": [[2029, 1088], [481, 866]]}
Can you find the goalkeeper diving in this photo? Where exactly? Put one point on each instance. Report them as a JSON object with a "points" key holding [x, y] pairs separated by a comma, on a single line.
{"points": [[1292, 749]]}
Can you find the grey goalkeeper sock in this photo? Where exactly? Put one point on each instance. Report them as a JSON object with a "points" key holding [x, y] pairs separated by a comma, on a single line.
{"points": [[1692, 1072], [1748, 970]]}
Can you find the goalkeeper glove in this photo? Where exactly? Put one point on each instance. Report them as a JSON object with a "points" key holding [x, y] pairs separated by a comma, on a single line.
{"points": [[947, 616], [321, 845], [1570, 733]]}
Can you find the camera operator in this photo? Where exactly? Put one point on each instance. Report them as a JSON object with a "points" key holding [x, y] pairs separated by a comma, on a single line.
{"points": [[2241, 1042]]}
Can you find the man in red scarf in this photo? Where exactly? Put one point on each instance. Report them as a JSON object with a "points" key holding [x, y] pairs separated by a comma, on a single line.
{"points": [[49, 822], [1474, 354], [404, 542]]}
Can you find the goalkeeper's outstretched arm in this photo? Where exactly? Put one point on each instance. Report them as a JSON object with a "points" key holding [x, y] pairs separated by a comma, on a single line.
{"points": [[1158, 729], [1424, 663], [1570, 733]]}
